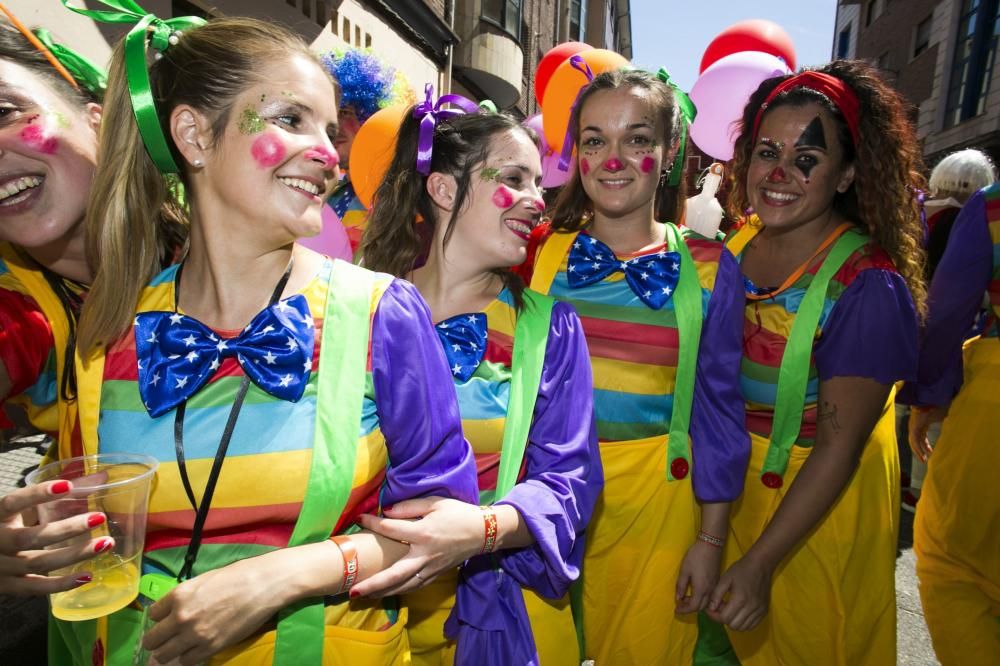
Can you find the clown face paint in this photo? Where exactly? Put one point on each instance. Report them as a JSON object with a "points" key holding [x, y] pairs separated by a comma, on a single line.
{"points": [[268, 151], [584, 166], [37, 136], [503, 198], [251, 122], [647, 164], [797, 167], [614, 164]]}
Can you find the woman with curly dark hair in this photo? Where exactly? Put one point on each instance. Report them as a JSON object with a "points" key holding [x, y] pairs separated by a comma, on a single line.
{"points": [[828, 162]]}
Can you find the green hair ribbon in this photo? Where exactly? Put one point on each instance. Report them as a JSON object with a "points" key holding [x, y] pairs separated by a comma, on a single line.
{"points": [[152, 31], [86, 73], [488, 106], [688, 111]]}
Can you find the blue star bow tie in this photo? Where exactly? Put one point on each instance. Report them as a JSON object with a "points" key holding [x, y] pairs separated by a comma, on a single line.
{"points": [[653, 277], [464, 340], [178, 354]]}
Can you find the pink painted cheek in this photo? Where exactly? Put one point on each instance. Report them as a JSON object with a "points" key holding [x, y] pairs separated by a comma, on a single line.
{"points": [[648, 164], [268, 151], [34, 137], [502, 198], [584, 166]]}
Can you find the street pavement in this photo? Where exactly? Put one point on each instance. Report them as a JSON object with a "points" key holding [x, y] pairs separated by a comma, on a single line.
{"points": [[22, 621]]}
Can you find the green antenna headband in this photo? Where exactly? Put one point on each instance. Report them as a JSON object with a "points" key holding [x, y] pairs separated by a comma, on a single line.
{"points": [[688, 111], [152, 31]]}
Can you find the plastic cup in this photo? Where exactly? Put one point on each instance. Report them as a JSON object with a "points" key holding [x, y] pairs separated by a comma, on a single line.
{"points": [[118, 485]]}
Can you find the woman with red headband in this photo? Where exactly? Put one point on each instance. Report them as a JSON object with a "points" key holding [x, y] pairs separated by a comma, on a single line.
{"points": [[832, 265]]}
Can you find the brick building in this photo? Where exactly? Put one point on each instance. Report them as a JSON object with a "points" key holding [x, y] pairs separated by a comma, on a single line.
{"points": [[480, 48], [940, 54]]}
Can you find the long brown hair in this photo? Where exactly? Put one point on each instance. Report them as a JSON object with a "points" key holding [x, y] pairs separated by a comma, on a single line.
{"points": [[887, 165], [572, 209], [392, 242], [135, 216]]}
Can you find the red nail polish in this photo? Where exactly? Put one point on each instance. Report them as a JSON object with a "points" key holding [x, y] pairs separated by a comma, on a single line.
{"points": [[354, 594], [388, 508], [103, 545], [84, 578], [95, 519], [59, 488]]}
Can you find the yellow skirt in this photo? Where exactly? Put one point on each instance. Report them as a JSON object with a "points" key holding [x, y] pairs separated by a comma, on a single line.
{"points": [[833, 599], [641, 529], [957, 529], [429, 607]]}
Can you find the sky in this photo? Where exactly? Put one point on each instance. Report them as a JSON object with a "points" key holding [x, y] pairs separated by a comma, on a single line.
{"points": [[675, 33]]}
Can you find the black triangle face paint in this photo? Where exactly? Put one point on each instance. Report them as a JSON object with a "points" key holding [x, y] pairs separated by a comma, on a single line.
{"points": [[812, 136]]}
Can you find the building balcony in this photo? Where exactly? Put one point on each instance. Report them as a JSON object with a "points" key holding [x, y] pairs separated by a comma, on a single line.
{"points": [[488, 60]]}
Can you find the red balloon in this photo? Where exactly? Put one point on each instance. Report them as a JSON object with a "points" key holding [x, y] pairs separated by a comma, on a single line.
{"points": [[551, 60], [752, 35]]}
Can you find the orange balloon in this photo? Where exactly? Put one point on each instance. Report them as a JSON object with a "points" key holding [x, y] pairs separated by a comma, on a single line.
{"points": [[373, 149], [563, 88]]}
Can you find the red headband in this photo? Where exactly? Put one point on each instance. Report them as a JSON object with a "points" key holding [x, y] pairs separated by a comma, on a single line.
{"points": [[836, 90]]}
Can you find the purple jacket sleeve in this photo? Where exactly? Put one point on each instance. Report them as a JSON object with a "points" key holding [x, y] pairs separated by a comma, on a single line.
{"points": [[871, 331], [720, 443], [417, 407], [956, 293], [563, 472]]}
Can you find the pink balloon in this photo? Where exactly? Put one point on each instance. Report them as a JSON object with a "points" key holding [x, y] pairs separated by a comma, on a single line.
{"points": [[720, 94], [332, 240], [552, 175]]}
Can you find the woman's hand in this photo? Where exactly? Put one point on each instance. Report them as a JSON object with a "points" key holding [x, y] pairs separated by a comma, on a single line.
{"points": [[699, 572], [447, 533], [922, 418], [23, 558], [208, 613], [742, 595]]}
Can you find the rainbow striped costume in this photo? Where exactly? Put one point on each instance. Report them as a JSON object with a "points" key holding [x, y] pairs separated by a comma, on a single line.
{"points": [[353, 214], [832, 599], [555, 494], [644, 524], [409, 444], [956, 534]]}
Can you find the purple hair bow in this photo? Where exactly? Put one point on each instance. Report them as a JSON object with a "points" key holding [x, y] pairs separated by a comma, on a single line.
{"points": [[429, 113], [579, 64]]}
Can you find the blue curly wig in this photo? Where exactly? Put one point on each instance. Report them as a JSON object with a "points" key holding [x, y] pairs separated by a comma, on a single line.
{"points": [[366, 84]]}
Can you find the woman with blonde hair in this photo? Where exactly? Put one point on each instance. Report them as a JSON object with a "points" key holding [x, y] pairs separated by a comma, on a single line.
{"points": [[283, 394]]}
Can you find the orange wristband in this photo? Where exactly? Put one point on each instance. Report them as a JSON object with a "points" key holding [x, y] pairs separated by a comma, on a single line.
{"points": [[489, 529], [350, 553]]}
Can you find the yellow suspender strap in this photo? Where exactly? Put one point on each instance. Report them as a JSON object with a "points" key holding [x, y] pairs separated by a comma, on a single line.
{"points": [[741, 238], [550, 255]]}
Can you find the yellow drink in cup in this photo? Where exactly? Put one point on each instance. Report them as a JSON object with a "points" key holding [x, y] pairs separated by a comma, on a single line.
{"points": [[118, 485]]}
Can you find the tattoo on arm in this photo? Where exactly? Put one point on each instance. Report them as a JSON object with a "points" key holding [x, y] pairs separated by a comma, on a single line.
{"points": [[828, 412]]}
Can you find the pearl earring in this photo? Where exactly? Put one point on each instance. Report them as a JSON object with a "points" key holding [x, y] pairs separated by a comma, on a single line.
{"points": [[198, 163]]}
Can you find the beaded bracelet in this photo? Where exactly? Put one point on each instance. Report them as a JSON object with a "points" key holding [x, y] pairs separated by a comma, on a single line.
{"points": [[350, 553], [490, 529], [711, 540]]}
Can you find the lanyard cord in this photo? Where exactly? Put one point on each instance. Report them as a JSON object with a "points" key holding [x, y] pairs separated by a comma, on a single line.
{"points": [[220, 453]]}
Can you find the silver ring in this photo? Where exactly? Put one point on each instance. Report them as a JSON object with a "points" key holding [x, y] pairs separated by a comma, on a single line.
{"points": [[418, 576]]}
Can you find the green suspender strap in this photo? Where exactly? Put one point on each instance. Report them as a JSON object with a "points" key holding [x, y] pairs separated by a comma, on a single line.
{"points": [[531, 334], [793, 374], [339, 397], [688, 308]]}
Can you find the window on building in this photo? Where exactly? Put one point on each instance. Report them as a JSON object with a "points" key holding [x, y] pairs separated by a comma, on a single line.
{"points": [[368, 41], [844, 43], [882, 62], [872, 11], [922, 38], [334, 21], [972, 69], [345, 34], [321, 12], [505, 14], [357, 36], [577, 27]]}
